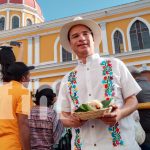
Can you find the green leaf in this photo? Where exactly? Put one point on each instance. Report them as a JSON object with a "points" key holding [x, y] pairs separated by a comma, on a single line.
{"points": [[84, 108], [106, 103], [87, 107]]}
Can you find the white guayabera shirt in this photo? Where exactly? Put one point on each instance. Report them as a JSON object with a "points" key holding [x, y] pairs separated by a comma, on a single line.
{"points": [[94, 134]]}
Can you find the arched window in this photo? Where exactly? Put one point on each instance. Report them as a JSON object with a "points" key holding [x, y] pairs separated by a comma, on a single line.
{"points": [[2, 23], [15, 22], [66, 56], [139, 35], [118, 42], [29, 22]]}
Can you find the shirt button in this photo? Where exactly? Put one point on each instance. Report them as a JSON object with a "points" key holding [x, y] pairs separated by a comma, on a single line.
{"points": [[94, 144], [89, 94], [92, 126]]}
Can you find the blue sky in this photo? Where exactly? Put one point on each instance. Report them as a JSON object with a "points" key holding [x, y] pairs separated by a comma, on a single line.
{"points": [[55, 9]]}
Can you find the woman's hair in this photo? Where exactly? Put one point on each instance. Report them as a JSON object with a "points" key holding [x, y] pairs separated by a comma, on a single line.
{"points": [[7, 58], [44, 96]]}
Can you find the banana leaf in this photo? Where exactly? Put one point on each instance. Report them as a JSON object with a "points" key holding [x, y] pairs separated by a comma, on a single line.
{"points": [[83, 108]]}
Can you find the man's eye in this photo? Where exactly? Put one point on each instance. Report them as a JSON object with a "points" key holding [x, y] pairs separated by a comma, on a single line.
{"points": [[75, 36], [86, 33]]}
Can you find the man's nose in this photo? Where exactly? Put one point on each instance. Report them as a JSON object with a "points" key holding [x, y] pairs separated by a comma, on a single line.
{"points": [[81, 37]]}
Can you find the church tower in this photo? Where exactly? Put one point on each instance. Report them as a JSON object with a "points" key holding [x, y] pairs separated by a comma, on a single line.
{"points": [[19, 13]]}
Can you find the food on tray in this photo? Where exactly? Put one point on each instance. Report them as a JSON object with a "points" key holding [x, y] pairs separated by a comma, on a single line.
{"points": [[93, 105], [93, 109]]}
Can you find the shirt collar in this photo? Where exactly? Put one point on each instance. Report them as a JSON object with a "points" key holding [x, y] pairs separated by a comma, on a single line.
{"points": [[90, 58]]}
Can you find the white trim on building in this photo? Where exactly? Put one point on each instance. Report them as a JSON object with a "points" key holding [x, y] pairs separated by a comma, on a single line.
{"points": [[23, 21], [104, 38], [30, 51], [37, 50], [61, 53], [56, 48], [7, 19], [36, 84]]}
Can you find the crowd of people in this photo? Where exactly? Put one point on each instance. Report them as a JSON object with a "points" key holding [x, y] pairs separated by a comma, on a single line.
{"points": [[25, 125]]}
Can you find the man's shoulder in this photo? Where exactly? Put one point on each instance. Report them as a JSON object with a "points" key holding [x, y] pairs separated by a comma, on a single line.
{"points": [[111, 59], [68, 74]]}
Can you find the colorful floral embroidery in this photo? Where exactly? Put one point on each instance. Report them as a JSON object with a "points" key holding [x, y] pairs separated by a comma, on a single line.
{"points": [[109, 94], [108, 80], [115, 133], [77, 139], [74, 96], [73, 88]]}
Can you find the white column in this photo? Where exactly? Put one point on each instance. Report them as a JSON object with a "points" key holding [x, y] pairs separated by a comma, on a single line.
{"points": [[8, 1], [7, 20], [55, 48], [37, 49], [35, 19], [36, 84], [23, 20], [104, 38], [30, 85], [30, 51], [60, 53]]}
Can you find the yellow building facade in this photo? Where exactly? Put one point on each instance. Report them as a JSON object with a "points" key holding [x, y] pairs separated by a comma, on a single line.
{"points": [[125, 35]]}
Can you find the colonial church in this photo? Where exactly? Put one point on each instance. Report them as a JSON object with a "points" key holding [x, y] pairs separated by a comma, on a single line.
{"points": [[125, 35]]}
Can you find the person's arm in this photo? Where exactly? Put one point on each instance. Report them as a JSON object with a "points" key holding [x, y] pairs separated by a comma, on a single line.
{"points": [[24, 131], [69, 120], [57, 128], [119, 113]]}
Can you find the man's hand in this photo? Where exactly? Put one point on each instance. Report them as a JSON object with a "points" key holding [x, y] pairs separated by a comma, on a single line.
{"points": [[70, 120], [112, 117], [76, 121], [119, 113]]}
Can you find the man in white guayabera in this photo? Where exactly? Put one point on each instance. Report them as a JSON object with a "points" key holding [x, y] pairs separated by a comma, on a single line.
{"points": [[98, 78]]}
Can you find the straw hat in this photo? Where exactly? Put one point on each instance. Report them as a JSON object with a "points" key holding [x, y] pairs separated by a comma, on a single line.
{"points": [[78, 20]]}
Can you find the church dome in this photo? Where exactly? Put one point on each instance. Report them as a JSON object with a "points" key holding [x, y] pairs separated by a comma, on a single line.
{"points": [[30, 3]]}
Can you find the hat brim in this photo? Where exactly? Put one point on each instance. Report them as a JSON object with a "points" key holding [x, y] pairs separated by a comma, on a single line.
{"points": [[31, 67], [95, 28]]}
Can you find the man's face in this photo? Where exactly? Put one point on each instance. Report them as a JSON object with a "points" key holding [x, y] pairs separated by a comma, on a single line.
{"points": [[81, 41]]}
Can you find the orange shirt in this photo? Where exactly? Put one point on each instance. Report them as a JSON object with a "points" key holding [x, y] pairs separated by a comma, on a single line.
{"points": [[14, 98]]}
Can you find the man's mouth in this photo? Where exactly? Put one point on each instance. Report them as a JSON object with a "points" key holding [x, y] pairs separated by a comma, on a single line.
{"points": [[83, 45]]}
